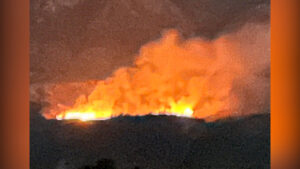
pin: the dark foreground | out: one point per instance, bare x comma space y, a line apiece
152, 142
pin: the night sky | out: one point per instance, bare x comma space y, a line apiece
74, 40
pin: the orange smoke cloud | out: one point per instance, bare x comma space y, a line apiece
191, 78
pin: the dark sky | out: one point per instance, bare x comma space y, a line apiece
76, 40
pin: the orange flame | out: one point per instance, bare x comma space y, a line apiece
191, 78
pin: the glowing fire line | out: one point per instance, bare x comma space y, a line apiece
88, 116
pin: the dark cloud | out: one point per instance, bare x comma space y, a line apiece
63, 33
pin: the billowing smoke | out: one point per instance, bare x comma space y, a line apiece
227, 76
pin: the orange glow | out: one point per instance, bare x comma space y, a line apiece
191, 78
176, 110
83, 116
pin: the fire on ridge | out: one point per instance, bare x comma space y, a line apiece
191, 78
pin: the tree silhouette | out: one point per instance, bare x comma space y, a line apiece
102, 164
105, 164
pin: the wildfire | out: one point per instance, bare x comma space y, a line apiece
83, 116
191, 78
86, 116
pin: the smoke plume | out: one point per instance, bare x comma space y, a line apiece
196, 78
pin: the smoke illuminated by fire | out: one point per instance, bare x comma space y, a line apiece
172, 76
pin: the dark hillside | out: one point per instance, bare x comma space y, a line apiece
152, 142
